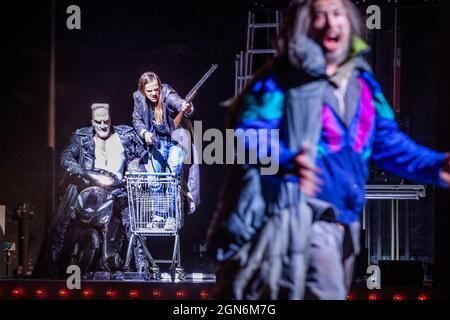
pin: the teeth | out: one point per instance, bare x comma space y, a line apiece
333, 35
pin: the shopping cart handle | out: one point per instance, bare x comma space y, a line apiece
170, 174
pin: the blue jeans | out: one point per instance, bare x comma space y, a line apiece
168, 157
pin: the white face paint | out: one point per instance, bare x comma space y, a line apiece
101, 122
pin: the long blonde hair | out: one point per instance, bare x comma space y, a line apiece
149, 77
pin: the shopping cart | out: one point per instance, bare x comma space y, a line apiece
155, 210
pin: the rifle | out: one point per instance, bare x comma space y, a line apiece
190, 96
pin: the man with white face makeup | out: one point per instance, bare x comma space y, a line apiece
100, 146
333, 120
109, 151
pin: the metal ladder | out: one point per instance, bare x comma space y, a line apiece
244, 63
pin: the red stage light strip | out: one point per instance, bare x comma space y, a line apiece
180, 294
133, 293
88, 293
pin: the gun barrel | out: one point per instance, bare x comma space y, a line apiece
202, 80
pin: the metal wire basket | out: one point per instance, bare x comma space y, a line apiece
155, 203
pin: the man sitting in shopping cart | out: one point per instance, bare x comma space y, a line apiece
99, 148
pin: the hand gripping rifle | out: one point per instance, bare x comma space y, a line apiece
190, 96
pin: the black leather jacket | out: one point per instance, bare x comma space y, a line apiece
171, 103
79, 153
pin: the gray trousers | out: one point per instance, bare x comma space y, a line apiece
273, 265
332, 253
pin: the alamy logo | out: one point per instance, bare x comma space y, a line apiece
373, 17
373, 21
74, 20
241, 146
374, 280
74, 279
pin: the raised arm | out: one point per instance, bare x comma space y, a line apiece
395, 151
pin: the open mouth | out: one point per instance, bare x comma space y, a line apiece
331, 41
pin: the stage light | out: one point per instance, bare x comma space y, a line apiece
88, 293
63, 293
197, 276
110, 293
17, 292
133, 293
398, 297
40, 293
349, 296
372, 297
166, 276
179, 294
422, 297
204, 294
156, 293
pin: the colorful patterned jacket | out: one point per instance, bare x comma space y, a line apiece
364, 130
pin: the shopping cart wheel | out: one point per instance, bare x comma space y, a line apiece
155, 273
177, 272
180, 273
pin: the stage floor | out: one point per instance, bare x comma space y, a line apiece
165, 289
192, 288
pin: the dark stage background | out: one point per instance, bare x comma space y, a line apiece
179, 40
